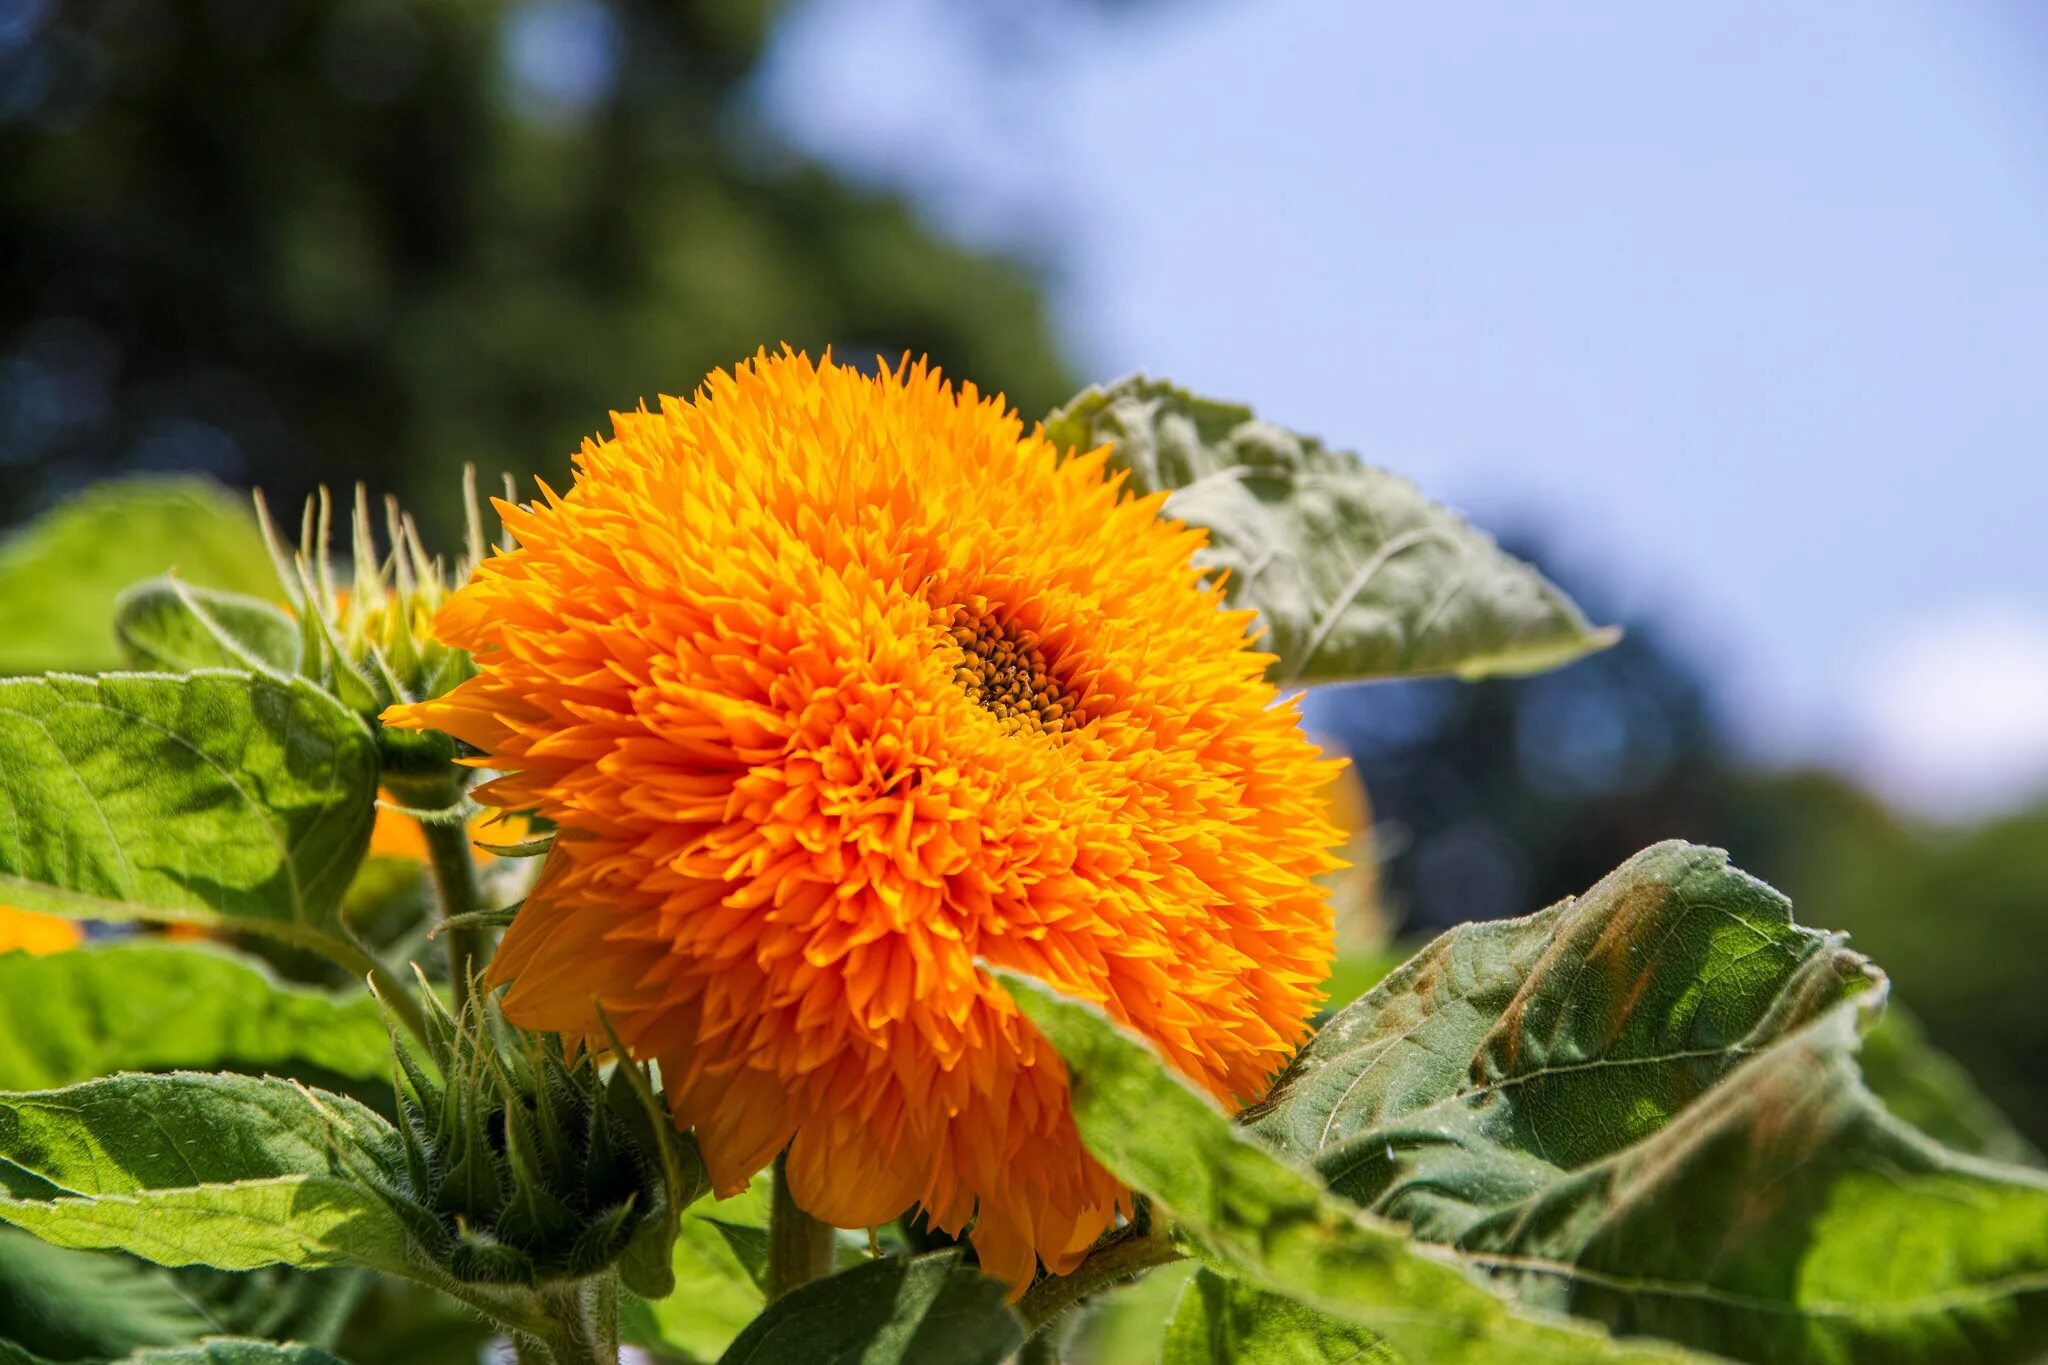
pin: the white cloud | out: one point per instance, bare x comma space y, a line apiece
1949, 714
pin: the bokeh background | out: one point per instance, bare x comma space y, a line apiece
1733, 316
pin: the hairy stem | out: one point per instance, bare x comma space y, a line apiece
460, 892
1041, 1349
1116, 1262
799, 1246
584, 1326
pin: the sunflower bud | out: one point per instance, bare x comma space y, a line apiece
523, 1165
367, 629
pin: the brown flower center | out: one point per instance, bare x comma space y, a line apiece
1003, 669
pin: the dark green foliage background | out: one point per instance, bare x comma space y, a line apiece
288, 244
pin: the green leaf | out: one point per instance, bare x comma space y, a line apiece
1352, 974
69, 1305
169, 624
402, 1321
227, 1171
1557, 1039
1927, 1088
150, 1005
210, 797
900, 1310
1251, 1213
224, 1352
1126, 1322
1355, 573
1222, 1321
60, 575
1643, 1106
717, 1284
278, 1303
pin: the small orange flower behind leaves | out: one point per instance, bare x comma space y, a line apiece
835, 684
398, 835
37, 934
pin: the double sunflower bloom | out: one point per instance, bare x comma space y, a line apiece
836, 687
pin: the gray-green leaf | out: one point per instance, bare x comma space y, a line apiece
923, 1310
169, 624
1643, 1106
60, 575
228, 1171
212, 797
1355, 573
1274, 1226
151, 1005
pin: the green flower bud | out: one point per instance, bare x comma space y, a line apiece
521, 1163
367, 632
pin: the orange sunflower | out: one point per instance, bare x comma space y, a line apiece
835, 685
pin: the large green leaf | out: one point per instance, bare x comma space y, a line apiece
213, 797
169, 624
150, 1005
1355, 573
923, 1310
1643, 1106
1222, 1321
72, 1305
228, 1171
60, 575
1271, 1224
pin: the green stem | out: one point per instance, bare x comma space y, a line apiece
461, 893
1041, 1349
585, 1325
799, 1246
1109, 1265
345, 952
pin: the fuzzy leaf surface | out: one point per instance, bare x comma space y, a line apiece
1261, 1219
1643, 1106
900, 1310
60, 574
225, 1352
228, 1171
211, 797
1355, 573
1221, 1321
175, 626
219, 1351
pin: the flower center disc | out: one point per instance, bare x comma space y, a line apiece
1003, 669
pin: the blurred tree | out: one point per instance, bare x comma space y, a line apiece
372, 239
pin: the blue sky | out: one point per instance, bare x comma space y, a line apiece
1744, 304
